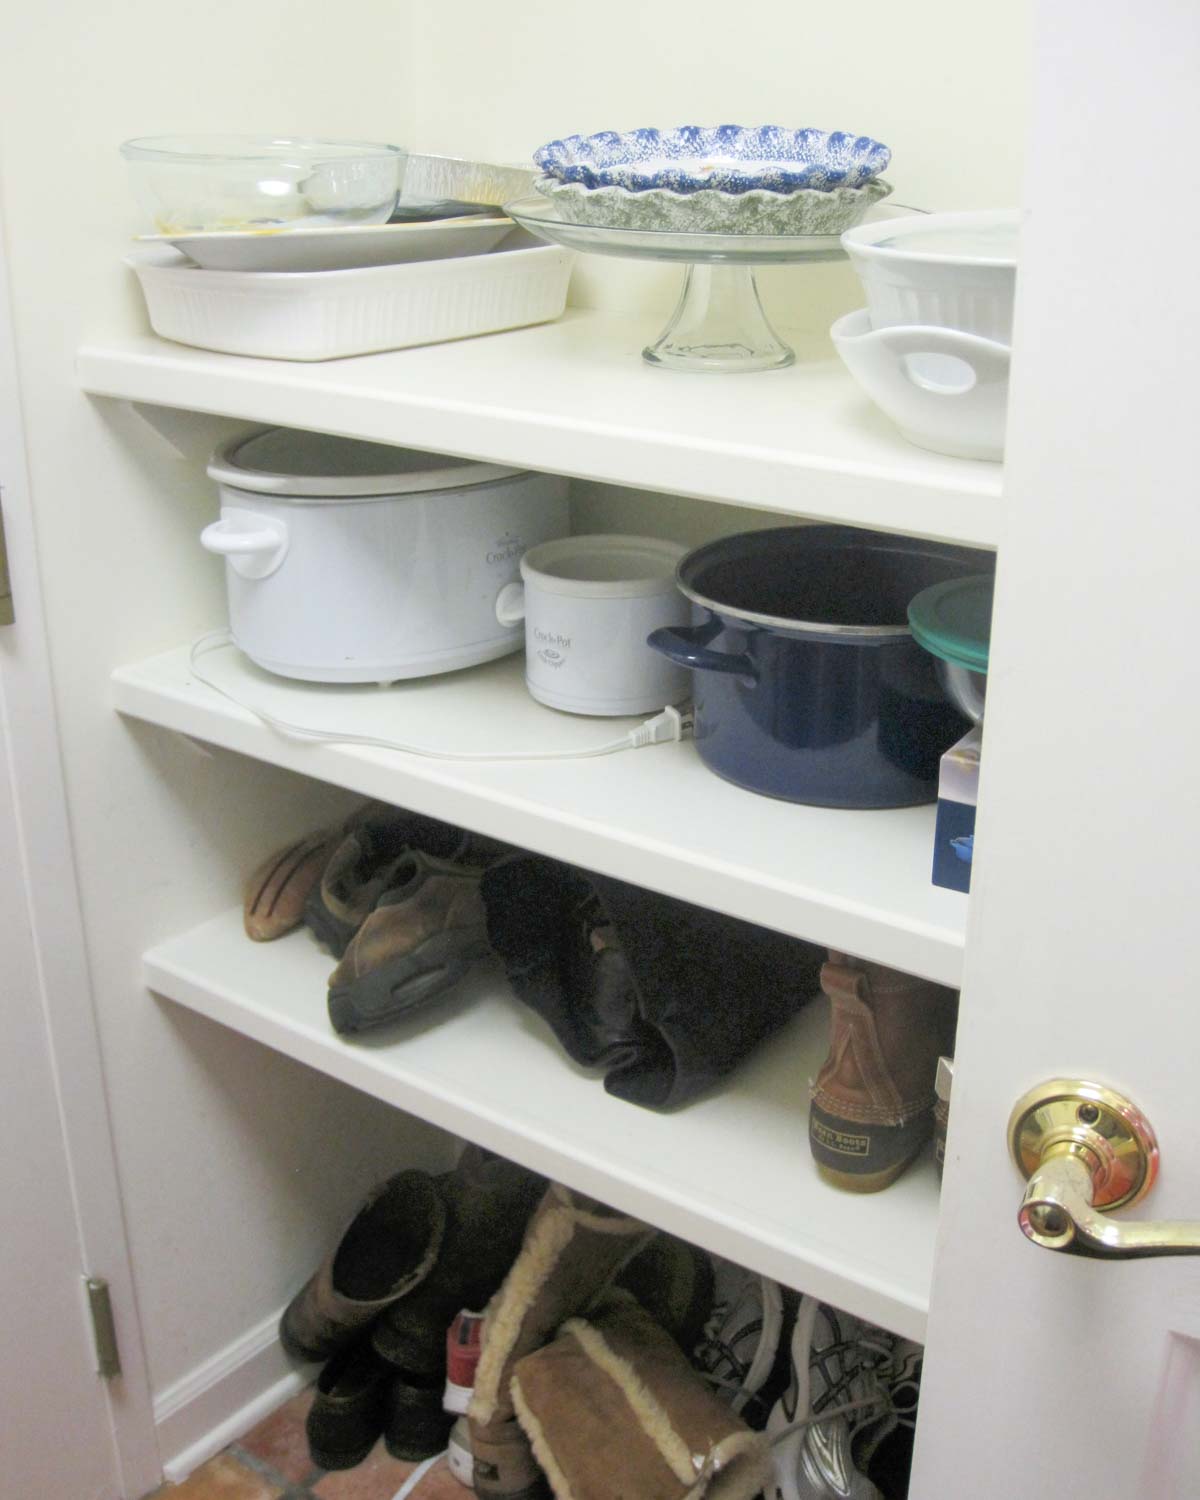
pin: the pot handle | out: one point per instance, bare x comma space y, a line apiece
510, 604
685, 646
254, 545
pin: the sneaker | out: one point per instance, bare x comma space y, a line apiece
458, 1454
740, 1351
362, 867
425, 932
836, 1361
464, 1342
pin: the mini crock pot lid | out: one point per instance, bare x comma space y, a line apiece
825, 628
865, 239
667, 556
298, 464
953, 620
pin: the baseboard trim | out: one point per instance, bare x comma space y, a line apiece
222, 1398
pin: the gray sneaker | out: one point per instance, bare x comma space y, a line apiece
837, 1361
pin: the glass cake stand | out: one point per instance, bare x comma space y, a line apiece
718, 324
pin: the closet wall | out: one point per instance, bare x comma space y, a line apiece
236, 1164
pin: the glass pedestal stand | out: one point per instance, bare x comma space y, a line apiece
719, 325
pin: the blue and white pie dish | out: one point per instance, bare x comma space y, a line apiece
728, 158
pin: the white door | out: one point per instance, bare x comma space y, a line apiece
65, 1434
57, 1440
1048, 1374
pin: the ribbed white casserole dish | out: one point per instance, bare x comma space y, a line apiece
312, 315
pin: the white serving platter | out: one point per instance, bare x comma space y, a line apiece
337, 247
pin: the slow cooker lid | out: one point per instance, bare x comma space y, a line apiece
283, 461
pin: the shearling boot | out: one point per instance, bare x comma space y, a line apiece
872, 1103
572, 1249
612, 1407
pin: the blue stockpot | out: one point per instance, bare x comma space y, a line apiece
808, 684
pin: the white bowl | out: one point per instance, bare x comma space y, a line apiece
945, 390
955, 270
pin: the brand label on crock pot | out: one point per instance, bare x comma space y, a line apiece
553, 646
505, 549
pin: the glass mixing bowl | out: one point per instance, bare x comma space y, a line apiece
189, 183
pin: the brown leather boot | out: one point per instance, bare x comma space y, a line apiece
872, 1103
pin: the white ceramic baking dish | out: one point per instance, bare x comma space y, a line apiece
311, 315
954, 270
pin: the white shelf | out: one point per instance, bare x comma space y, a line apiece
574, 397
857, 881
731, 1173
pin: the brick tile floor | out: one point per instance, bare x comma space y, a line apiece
271, 1462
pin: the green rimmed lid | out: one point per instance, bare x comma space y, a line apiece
953, 620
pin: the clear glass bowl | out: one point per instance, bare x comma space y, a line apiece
187, 183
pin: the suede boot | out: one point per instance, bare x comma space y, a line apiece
388, 1249
572, 1249
612, 1407
872, 1103
488, 1203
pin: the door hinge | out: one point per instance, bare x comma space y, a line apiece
104, 1330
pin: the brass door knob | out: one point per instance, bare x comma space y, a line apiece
1085, 1148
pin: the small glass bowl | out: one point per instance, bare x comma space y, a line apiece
188, 183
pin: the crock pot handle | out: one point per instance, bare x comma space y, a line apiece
682, 644
510, 604
254, 545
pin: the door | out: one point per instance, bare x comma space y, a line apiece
65, 1434
1049, 1374
57, 1439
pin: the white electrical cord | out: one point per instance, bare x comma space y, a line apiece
416, 1476
672, 724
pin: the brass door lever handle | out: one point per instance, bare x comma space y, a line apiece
1085, 1148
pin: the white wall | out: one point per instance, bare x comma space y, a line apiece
942, 82
235, 1163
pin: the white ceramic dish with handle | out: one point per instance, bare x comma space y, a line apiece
945, 389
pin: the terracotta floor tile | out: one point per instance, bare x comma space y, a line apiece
378, 1477
440, 1484
279, 1440
222, 1478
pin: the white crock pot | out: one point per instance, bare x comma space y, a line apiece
360, 562
954, 270
588, 603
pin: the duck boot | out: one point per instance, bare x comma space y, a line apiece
388, 1249
363, 865
572, 1250
425, 932
872, 1102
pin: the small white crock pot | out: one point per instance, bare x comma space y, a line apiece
588, 603
360, 562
